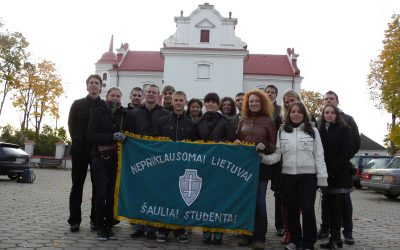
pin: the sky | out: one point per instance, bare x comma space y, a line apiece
336, 41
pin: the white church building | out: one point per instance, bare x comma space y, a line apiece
204, 55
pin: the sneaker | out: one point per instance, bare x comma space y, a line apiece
115, 222
111, 235
217, 239
206, 238
332, 245
280, 232
258, 245
349, 240
74, 228
102, 235
244, 241
160, 237
137, 233
150, 235
322, 234
291, 246
182, 238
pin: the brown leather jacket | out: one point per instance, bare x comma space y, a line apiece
257, 129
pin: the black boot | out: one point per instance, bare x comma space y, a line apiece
332, 244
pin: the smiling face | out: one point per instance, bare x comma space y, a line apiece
194, 109
239, 101
226, 107
330, 99
329, 114
151, 94
289, 100
167, 98
296, 116
211, 106
254, 103
178, 102
136, 97
114, 96
93, 87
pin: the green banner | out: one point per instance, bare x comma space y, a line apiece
185, 184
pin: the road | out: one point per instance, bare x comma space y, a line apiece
34, 216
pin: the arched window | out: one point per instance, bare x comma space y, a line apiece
104, 76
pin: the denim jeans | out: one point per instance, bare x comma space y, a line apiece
261, 221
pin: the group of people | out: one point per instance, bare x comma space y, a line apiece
297, 155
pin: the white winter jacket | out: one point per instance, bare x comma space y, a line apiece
301, 154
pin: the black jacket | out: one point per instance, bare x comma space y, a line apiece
78, 121
143, 120
103, 125
338, 150
176, 127
277, 116
354, 131
215, 127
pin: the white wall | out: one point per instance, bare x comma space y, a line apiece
226, 78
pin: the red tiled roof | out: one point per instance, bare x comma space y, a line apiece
142, 61
256, 64
262, 64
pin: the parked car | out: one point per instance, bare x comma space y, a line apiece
359, 162
386, 180
13, 160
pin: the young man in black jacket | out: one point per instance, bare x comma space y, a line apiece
143, 120
177, 127
331, 98
78, 120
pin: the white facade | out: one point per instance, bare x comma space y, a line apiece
204, 55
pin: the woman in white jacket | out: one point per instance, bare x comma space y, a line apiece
303, 170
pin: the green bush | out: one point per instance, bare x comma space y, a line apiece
44, 142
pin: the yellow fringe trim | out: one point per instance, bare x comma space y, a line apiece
118, 181
171, 226
162, 138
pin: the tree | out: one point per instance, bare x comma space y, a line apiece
38, 93
24, 97
12, 56
313, 100
49, 89
384, 80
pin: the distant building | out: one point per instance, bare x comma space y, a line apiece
370, 147
203, 55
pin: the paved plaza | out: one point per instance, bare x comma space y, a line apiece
34, 216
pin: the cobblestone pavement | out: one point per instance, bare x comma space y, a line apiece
34, 216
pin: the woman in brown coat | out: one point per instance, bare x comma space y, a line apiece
258, 126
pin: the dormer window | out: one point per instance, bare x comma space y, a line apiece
204, 36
